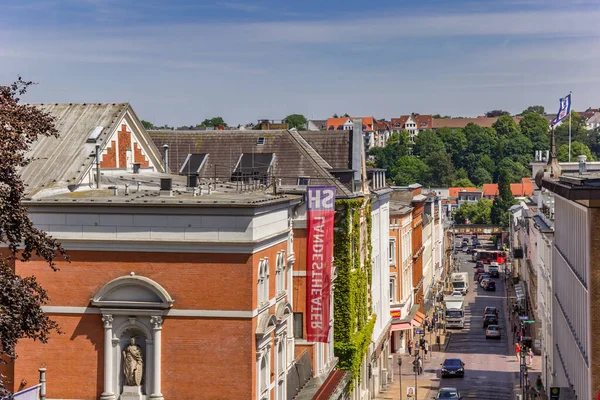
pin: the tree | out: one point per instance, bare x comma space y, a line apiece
213, 122
480, 141
147, 125
297, 121
475, 213
577, 149
441, 170
396, 147
409, 170
496, 113
487, 163
535, 127
426, 143
21, 299
506, 126
505, 200
455, 143
579, 131
514, 171
482, 176
535, 110
462, 182
515, 146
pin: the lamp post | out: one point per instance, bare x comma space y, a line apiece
525, 386
400, 374
416, 372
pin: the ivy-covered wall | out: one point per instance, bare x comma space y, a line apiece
353, 322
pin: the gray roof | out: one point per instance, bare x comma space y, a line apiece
333, 146
293, 156
64, 161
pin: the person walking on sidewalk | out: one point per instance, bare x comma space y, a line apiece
530, 356
538, 384
517, 351
426, 349
420, 365
410, 347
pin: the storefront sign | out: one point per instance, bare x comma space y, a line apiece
396, 314
320, 207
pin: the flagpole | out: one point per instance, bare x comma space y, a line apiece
570, 107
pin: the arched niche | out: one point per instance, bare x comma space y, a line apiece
132, 306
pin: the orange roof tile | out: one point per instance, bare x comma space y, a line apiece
423, 121
399, 122
490, 189
335, 122
453, 191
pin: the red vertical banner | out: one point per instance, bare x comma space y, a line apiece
320, 208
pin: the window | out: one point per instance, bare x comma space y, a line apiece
280, 273
263, 282
260, 141
392, 252
392, 289
264, 376
298, 325
303, 181
281, 355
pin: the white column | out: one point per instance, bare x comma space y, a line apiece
108, 359
156, 322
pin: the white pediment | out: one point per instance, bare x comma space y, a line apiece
132, 292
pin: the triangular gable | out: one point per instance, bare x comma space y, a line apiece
129, 144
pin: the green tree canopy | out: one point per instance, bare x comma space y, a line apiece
475, 213
387, 157
487, 163
455, 143
441, 170
213, 122
496, 113
297, 121
499, 214
577, 149
535, 127
506, 126
579, 131
515, 146
480, 141
409, 170
534, 109
462, 182
147, 125
426, 143
514, 171
481, 176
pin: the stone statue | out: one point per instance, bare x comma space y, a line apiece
133, 364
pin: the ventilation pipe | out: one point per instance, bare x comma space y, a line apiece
97, 166
582, 165
126, 189
166, 158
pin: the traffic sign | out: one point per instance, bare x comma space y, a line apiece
529, 321
524, 318
420, 331
554, 393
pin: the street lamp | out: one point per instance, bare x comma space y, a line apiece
400, 374
416, 373
525, 386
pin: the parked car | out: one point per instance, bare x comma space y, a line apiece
491, 310
449, 393
490, 286
490, 319
483, 276
492, 331
453, 367
479, 264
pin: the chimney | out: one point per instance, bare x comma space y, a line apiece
166, 158
357, 148
97, 166
136, 167
166, 187
582, 166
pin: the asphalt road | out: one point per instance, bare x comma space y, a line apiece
489, 370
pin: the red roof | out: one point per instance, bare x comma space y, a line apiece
453, 191
525, 188
337, 122
399, 122
423, 121
382, 125
490, 189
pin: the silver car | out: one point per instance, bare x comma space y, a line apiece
492, 331
448, 393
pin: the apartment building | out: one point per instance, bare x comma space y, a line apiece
576, 282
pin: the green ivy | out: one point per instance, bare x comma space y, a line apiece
353, 321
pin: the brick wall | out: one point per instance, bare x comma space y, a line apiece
124, 144
109, 160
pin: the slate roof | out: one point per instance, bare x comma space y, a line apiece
293, 156
333, 146
65, 161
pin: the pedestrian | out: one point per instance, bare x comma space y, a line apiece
538, 383
420, 366
517, 350
515, 329
530, 354
410, 347
426, 349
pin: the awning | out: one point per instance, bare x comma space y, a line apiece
401, 326
420, 317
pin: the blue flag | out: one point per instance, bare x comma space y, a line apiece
564, 110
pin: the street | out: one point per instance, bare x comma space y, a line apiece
489, 370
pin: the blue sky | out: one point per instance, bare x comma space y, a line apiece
179, 62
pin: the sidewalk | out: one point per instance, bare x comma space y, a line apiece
426, 382
533, 370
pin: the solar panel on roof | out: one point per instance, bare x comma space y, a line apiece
193, 163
